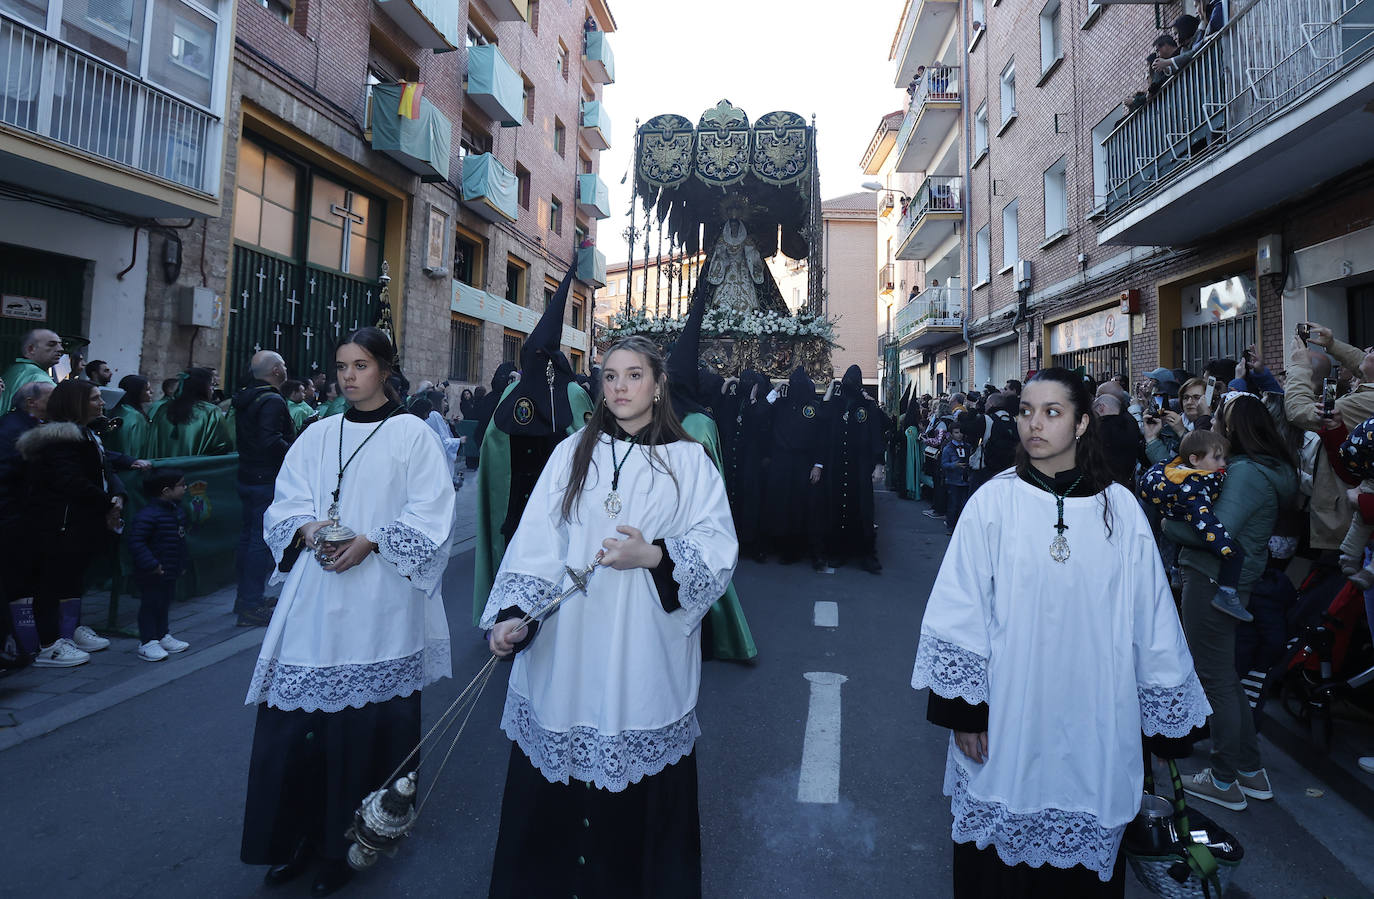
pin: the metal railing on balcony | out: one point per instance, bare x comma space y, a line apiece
938, 193
1268, 57
934, 307
939, 84
58, 92
885, 203
886, 275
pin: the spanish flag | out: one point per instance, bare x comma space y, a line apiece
410, 98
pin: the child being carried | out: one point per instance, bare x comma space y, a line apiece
1184, 490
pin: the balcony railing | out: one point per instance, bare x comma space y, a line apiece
885, 278
489, 188
493, 86
430, 23
60, 93
1268, 58
593, 198
886, 203
596, 125
420, 144
935, 307
598, 58
591, 266
925, 25
933, 112
939, 84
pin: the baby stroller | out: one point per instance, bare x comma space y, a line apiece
1330, 656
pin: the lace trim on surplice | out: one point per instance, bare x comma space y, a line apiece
334, 688
950, 670
529, 593
1173, 711
414, 555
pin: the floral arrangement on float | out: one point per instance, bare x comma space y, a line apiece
732, 341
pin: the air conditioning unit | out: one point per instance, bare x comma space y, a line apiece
200, 307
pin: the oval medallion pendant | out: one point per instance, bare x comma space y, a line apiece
1059, 549
612, 504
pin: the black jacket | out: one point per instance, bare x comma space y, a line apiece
264, 431
13, 425
157, 537
70, 484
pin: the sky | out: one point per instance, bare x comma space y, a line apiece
761, 55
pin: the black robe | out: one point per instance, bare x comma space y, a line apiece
856, 447
794, 508
744, 427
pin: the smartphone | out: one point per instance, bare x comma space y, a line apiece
1329, 396
1157, 403
1305, 331
1211, 390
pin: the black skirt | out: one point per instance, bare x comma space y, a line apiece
981, 874
576, 840
310, 771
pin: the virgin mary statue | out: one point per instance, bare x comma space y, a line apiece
736, 270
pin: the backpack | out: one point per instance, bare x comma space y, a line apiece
976, 461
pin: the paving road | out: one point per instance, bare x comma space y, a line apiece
145, 798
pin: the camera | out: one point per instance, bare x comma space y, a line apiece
1305, 330
1329, 396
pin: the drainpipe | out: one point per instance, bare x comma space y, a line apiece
969, 273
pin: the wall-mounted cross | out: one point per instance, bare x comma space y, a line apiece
276, 331
312, 285
337, 326
350, 218
281, 281
307, 334
261, 276
332, 309
294, 303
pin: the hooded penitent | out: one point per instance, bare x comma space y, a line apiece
684, 383
538, 405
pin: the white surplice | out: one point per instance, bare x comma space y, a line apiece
1074, 660
378, 630
607, 690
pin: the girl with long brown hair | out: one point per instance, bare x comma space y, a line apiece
601, 706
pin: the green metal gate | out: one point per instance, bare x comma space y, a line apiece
299, 310
39, 290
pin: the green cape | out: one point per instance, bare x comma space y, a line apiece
493, 496
17, 375
205, 434
132, 436
729, 631
335, 406
299, 413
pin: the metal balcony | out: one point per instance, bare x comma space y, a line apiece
932, 318
1271, 106
591, 266
59, 94
593, 198
924, 25
494, 87
935, 109
489, 188
420, 144
596, 125
597, 57
432, 24
886, 273
932, 217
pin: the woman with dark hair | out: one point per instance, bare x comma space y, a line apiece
190, 424
602, 705
1260, 480
131, 436
465, 404
74, 502
1050, 642
360, 627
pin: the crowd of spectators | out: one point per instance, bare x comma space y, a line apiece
1176, 47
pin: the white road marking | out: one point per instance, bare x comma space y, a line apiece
820, 766
827, 614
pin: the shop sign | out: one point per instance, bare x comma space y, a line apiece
29, 309
1098, 329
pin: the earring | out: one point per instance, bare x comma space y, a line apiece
655, 399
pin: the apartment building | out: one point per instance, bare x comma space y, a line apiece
1228, 207
352, 155
112, 138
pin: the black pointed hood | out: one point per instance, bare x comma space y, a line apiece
852, 386
501, 378
684, 383
538, 405
800, 388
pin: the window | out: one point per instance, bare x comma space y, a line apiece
560, 137
555, 222
549, 290
529, 99
563, 60
978, 16
469, 254
1009, 92
1009, 235
278, 9
1056, 198
463, 342
983, 252
586, 165
522, 184
980, 130
473, 139
266, 200
575, 312
1100, 134
515, 281
510, 346
345, 228
479, 33
575, 358
1051, 48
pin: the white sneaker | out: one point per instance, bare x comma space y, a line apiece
88, 640
172, 644
152, 651
61, 654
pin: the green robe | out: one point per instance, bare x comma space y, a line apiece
729, 631
337, 406
132, 436
17, 375
204, 434
493, 497
299, 413
915, 458
155, 405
